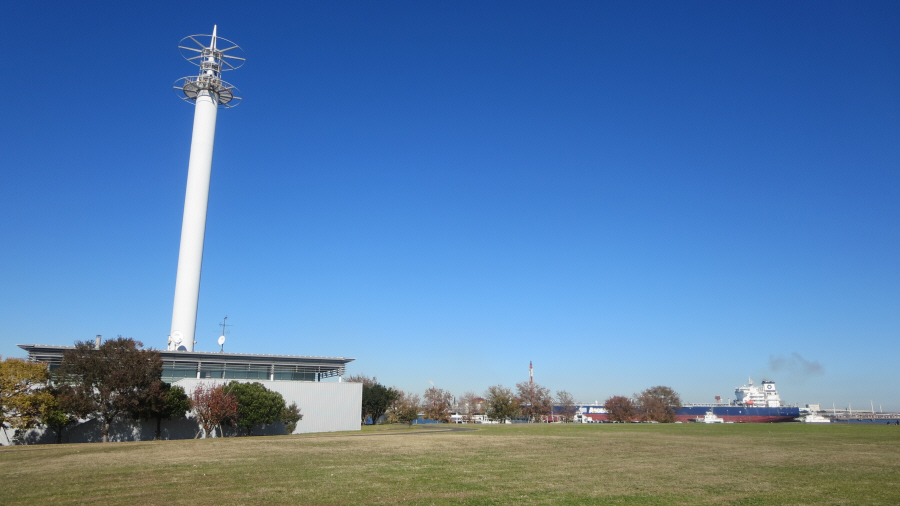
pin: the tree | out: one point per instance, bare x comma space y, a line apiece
110, 380
469, 404
535, 401
376, 399
290, 415
404, 409
162, 401
361, 378
20, 393
619, 409
658, 404
212, 407
257, 405
500, 403
566, 405
59, 409
436, 404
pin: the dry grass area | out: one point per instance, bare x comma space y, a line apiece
567, 464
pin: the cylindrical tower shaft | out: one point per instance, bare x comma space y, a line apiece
193, 227
207, 91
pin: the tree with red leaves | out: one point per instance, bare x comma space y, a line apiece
212, 407
620, 409
108, 381
658, 404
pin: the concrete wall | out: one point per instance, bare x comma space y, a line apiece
325, 406
125, 429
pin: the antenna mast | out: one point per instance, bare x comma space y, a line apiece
224, 324
207, 91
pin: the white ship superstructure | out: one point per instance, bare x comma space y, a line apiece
765, 395
710, 417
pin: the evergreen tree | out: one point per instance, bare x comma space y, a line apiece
162, 401
257, 405
376, 399
290, 415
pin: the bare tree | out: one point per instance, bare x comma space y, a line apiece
658, 404
619, 409
566, 405
500, 403
405, 408
469, 405
535, 401
361, 378
436, 404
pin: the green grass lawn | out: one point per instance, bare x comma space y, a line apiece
744, 464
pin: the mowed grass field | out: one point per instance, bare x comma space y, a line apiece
632, 464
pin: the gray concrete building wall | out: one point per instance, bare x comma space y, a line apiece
325, 406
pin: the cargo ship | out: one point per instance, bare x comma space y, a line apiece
752, 404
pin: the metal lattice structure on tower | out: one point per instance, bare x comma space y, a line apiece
208, 92
212, 60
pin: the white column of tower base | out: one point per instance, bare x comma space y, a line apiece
207, 91
193, 227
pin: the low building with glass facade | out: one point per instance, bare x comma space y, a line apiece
327, 406
239, 366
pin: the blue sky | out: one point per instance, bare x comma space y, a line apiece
625, 194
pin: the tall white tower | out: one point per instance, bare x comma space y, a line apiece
208, 92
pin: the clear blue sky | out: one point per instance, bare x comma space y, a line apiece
627, 194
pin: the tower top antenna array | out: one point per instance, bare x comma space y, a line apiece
208, 93
219, 56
